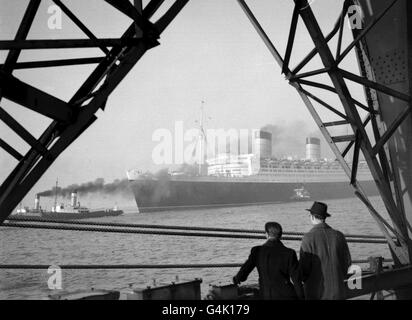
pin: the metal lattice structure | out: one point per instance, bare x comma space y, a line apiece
381, 160
386, 147
72, 118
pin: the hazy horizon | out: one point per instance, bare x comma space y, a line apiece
210, 52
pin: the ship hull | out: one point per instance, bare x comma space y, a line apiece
69, 215
75, 216
160, 195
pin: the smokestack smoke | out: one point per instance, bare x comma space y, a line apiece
97, 186
288, 139
117, 187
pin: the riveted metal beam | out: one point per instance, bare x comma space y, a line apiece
34, 99
399, 248
66, 128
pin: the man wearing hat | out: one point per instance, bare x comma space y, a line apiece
324, 258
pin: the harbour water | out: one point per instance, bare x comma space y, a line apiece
54, 247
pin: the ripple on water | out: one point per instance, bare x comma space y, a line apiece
31, 246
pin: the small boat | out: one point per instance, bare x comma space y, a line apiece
300, 194
78, 212
61, 212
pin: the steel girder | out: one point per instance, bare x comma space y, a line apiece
72, 118
379, 160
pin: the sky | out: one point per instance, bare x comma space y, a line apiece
209, 53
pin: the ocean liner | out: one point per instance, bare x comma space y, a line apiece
249, 179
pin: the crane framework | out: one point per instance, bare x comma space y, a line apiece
384, 135
72, 118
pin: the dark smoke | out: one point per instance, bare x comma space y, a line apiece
290, 139
117, 187
98, 186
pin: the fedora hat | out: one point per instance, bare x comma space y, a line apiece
319, 209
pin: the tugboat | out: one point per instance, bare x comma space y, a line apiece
300, 194
62, 212
76, 211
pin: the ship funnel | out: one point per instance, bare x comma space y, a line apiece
312, 149
37, 202
263, 144
74, 199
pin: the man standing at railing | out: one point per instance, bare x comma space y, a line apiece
276, 264
324, 258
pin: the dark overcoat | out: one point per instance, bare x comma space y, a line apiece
277, 265
324, 263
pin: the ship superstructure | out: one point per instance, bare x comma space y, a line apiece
252, 178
